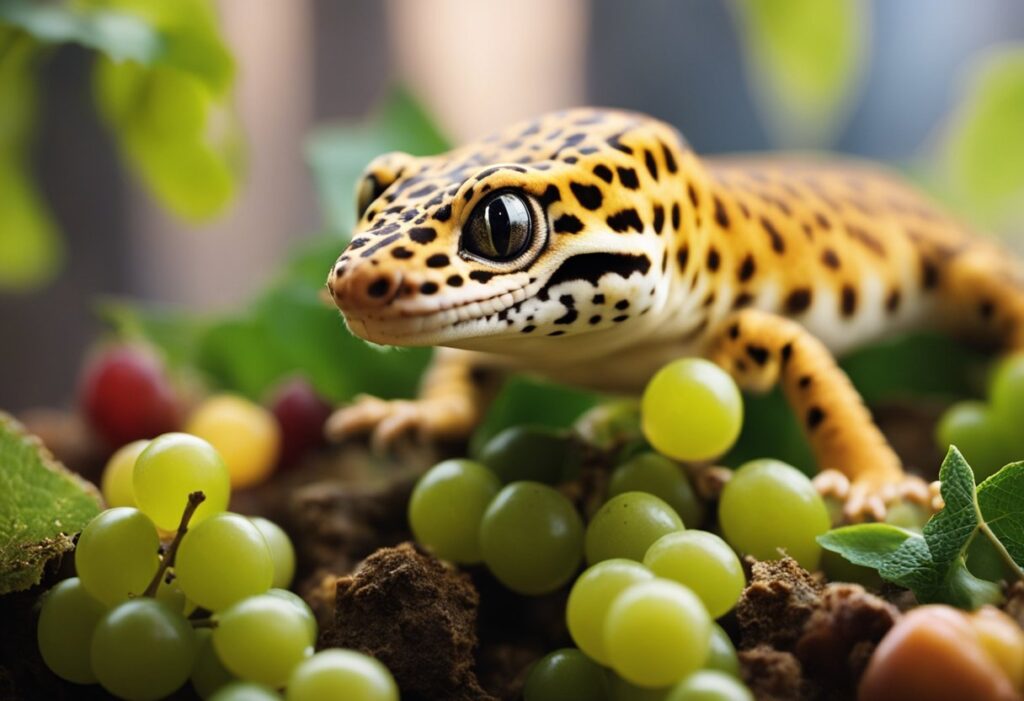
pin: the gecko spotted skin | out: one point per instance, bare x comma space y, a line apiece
594, 246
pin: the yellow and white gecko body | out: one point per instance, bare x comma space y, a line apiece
594, 246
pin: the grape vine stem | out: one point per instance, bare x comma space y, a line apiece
194, 500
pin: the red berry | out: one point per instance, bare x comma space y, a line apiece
301, 413
126, 395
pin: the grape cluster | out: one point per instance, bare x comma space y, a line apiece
642, 614
127, 396
211, 605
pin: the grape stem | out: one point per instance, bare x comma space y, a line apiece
208, 622
194, 500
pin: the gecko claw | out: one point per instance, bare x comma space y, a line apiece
389, 421
869, 500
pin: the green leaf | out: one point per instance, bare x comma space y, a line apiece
181, 137
983, 146
933, 565
30, 246
31, 250
805, 58
339, 153
43, 506
867, 544
119, 35
1001, 500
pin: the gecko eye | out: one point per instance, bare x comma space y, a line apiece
499, 228
370, 188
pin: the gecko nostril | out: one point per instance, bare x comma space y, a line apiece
379, 287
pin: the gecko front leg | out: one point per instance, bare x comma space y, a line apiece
454, 393
856, 461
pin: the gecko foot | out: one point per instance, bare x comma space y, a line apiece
871, 500
389, 420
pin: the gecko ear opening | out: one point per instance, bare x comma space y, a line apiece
378, 177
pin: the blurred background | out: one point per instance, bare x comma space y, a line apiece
180, 153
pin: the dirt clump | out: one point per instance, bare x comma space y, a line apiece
415, 614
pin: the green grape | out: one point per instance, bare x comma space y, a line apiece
710, 685
142, 650
531, 538
692, 410
566, 675
626, 525
591, 597
975, 429
117, 554
208, 673
610, 424
341, 674
656, 633
223, 560
116, 483
908, 515
722, 653
657, 475
262, 638
1006, 395
170, 468
770, 506
300, 604
703, 562
622, 690
67, 620
171, 594
282, 552
534, 454
446, 508
245, 691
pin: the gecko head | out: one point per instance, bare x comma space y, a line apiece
555, 227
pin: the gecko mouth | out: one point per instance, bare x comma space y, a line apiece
404, 326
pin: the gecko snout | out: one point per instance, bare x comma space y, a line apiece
363, 286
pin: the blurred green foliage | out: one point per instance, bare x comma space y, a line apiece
162, 80
805, 59
983, 148
338, 154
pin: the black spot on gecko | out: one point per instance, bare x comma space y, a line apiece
550, 195
604, 172
438, 260
721, 217
652, 165
848, 305
401, 252
443, 214
759, 354
568, 224
625, 220
670, 160
628, 178
428, 288
815, 416
778, 244
481, 276
659, 218
714, 259
591, 267
675, 215
798, 300
588, 195
422, 234
454, 281
747, 269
